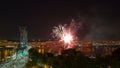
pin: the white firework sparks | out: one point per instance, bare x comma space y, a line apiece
58, 31
65, 34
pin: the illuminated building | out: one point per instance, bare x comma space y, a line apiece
6, 52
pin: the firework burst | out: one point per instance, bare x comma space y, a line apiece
66, 34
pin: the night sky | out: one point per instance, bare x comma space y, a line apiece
100, 20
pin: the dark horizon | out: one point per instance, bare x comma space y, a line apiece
100, 20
